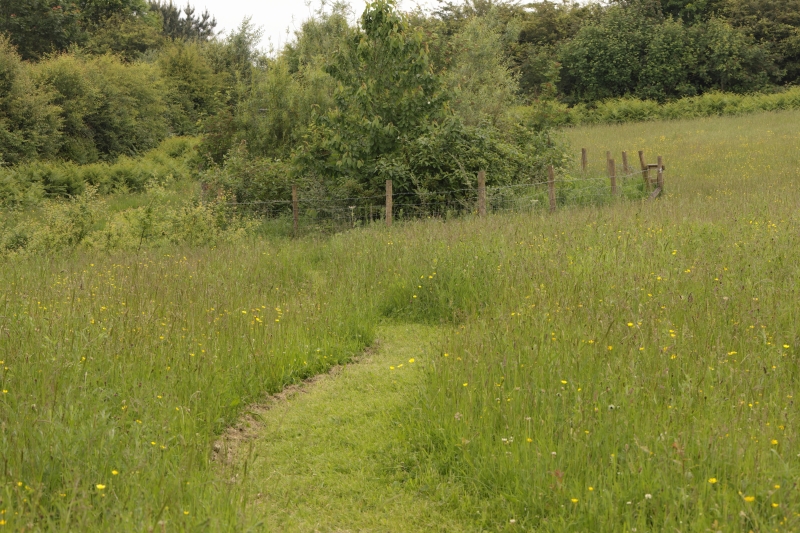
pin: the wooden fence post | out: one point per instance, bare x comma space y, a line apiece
584, 159
625, 168
660, 175
295, 209
389, 203
482, 193
645, 176
551, 186
612, 173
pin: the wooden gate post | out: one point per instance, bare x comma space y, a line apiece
612, 173
389, 203
645, 172
660, 175
551, 186
482, 193
295, 210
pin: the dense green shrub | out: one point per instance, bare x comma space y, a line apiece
392, 118
131, 115
707, 105
26, 184
628, 51
479, 76
29, 122
192, 88
87, 221
252, 180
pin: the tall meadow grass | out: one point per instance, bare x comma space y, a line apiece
624, 365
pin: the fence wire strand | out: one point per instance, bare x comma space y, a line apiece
339, 213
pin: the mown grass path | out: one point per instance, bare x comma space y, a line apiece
321, 458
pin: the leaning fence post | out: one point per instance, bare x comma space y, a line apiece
625, 168
482, 193
612, 173
660, 175
584, 159
645, 173
551, 186
295, 210
388, 202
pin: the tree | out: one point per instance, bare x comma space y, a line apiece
387, 94
730, 60
479, 75
193, 90
126, 36
182, 24
29, 121
38, 27
604, 58
775, 25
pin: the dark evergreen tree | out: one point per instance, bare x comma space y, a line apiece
182, 23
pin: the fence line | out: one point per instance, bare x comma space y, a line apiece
563, 190
422, 194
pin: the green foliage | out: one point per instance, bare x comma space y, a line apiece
387, 94
235, 57
350, 108
479, 75
74, 91
251, 180
37, 27
182, 24
27, 184
40, 27
131, 115
29, 122
604, 58
730, 60
193, 90
279, 105
711, 104
126, 36
87, 221
272, 102
98, 11
627, 52
219, 132
775, 24
79, 108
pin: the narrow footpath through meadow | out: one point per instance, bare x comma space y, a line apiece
325, 456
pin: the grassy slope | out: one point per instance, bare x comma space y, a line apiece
731, 203
680, 313
679, 377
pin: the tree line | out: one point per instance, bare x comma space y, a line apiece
423, 98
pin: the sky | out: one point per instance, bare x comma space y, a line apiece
274, 16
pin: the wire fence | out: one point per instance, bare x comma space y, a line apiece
307, 212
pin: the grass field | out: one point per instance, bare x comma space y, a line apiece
629, 366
